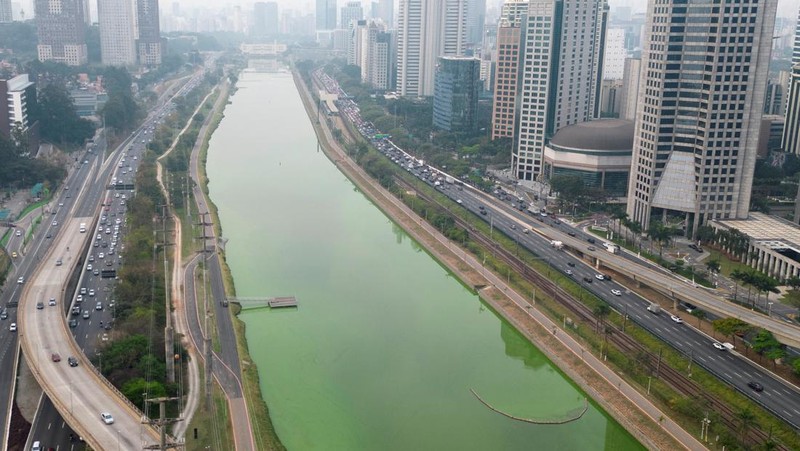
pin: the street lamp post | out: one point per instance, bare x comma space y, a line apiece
769, 308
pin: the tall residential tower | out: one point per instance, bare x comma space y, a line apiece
62, 31
562, 67
117, 20
426, 30
704, 74
148, 43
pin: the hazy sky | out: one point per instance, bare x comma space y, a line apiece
786, 8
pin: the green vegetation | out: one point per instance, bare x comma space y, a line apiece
59, 122
21, 39
120, 112
19, 171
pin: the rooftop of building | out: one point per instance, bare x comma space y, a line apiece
767, 231
601, 134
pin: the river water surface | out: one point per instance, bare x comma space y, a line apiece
386, 344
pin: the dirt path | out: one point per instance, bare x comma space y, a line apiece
640, 417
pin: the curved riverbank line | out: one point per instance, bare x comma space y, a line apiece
568, 418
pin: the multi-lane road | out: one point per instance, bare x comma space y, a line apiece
87, 184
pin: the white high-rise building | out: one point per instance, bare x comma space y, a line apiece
562, 68
426, 30
615, 54
704, 75
117, 20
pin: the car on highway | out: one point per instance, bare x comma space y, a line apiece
587, 280
107, 418
76, 310
101, 255
571, 264
719, 346
13, 254
91, 292
51, 302
55, 223
4, 314
89, 267
599, 277
570, 233
616, 292
21, 280
59, 262
13, 327
676, 319
73, 362
96, 272
591, 248
755, 386
86, 314
55, 357
39, 305
98, 306
18, 232
569, 272
73, 323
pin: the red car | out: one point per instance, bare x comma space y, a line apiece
55, 357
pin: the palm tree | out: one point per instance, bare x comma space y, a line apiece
746, 420
601, 311
636, 229
737, 276
619, 215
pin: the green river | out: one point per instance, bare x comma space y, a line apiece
386, 344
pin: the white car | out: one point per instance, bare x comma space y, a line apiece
719, 346
101, 255
91, 292
18, 233
676, 319
89, 267
616, 292
55, 223
21, 280
569, 272
599, 277
52, 302
13, 327
107, 418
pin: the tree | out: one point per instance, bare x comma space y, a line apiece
746, 420
700, 315
713, 265
730, 326
793, 282
58, 120
661, 234
601, 311
570, 188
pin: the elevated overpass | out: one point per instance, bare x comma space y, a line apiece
79, 393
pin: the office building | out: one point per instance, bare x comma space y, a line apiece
62, 31
383, 10
356, 46
117, 20
507, 61
610, 98
615, 54
149, 46
770, 134
6, 13
476, 18
775, 98
376, 64
265, 19
326, 14
629, 94
699, 110
796, 48
16, 93
455, 98
562, 67
351, 12
426, 30
599, 152
791, 129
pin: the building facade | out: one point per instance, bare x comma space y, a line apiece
455, 99
326, 14
796, 48
562, 67
629, 94
775, 98
6, 12
615, 54
507, 60
791, 130
149, 46
265, 19
699, 110
61, 29
117, 19
383, 10
426, 30
476, 19
351, 11
16, 93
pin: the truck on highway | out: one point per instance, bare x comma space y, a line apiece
83, 227
557, 244
611, 247
654, 309
449, 179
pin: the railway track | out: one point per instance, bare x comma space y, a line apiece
618, 338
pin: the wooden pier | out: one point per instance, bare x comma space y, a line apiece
282, 302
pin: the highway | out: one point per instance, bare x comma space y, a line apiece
536, 235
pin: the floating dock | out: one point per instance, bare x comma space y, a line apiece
282, 302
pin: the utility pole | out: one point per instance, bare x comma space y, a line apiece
207, 349
161, 423
169, 345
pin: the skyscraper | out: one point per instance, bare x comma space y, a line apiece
507, 61
791, 130
562, 67
117, 20
265, 19
350, 12
476, 19
148, 43
326, 14
62, 31
796, 49
384, 10
615, 54
630, 88
699, 110
455, 99
6, 14
426, 30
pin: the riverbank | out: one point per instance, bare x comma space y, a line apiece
647, 424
